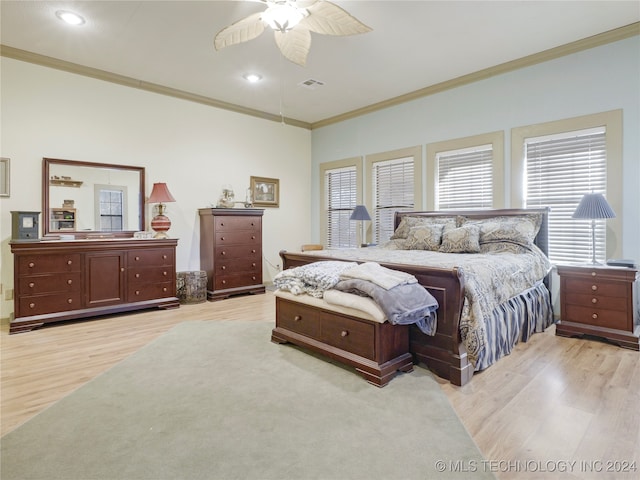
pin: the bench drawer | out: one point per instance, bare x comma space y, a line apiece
348, 334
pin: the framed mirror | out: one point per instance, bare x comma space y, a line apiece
87, 199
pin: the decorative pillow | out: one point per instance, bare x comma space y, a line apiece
503, 247
408, 222
521, 229
425, 237
395, 244
465, 239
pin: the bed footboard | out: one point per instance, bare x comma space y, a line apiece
442, 353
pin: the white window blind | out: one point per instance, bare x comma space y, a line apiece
340, 200
560, 169
465, 178
393, 187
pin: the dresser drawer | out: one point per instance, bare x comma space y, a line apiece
239, 251
348, 334
298, 318
586, 286
224, 223
223, 282
599, 317
597, 301
58, 282
33, 264
43, 304
152, 256
238, 237
238, 265
151, 291
137, 276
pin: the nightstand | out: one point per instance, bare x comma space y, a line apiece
601, 301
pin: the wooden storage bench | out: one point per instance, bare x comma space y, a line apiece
376, 350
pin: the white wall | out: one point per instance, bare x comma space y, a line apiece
194, 148
596, 80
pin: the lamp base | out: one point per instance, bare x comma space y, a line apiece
160, 224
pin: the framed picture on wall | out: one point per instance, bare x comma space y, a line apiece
4, 177
265, 191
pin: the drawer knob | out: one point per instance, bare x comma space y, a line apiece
224, 267
32, 305
252, 224
253, 237
137, 292
594, 300
594, 287
593, 274
253, 251
122, 269
253, 264
344, 333
164, 257
137, 275
222, 224
221, 238
164, 273
297, 318
253, 278
69, 282
137, 258
31, 284
224, 282
69, 300
594, 316
69, 262
164, 289
31, 264
223, 253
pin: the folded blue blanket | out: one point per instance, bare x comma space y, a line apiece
402, 305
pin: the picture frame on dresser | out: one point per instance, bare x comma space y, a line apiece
265, 191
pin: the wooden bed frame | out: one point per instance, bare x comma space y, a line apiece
443, 353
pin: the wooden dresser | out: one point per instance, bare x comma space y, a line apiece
600, 301
231, 251
65, 280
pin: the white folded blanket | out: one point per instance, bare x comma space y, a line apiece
364, 304
376, 273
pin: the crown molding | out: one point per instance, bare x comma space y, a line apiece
544, 56
51, 62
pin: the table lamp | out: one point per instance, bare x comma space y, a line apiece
160, 223
361, 214
593, 206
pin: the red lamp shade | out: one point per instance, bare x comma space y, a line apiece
160, 223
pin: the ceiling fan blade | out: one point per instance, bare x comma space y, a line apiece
242, 31
294, 44
330, 19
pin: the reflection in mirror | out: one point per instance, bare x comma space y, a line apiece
84, 198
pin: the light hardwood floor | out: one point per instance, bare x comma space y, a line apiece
552, 402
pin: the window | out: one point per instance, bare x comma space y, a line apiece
465, 179
110, 201
394, 179
560, 169
466, 173
341, 193
555, 164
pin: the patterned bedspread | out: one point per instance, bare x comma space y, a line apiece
490, 279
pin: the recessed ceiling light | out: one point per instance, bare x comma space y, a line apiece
252, 77
70, 17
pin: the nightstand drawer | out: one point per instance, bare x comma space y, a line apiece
609, 289
595, 316
597, 301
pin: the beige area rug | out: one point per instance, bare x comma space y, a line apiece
218, 400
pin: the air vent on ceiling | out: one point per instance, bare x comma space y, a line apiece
311, 84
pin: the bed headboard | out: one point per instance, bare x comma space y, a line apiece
541, 240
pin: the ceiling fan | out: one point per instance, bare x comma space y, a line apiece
292, 22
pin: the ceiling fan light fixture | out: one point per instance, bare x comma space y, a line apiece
283, 16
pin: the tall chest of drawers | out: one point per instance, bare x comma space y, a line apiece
231, 251
600, 301
66, 280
